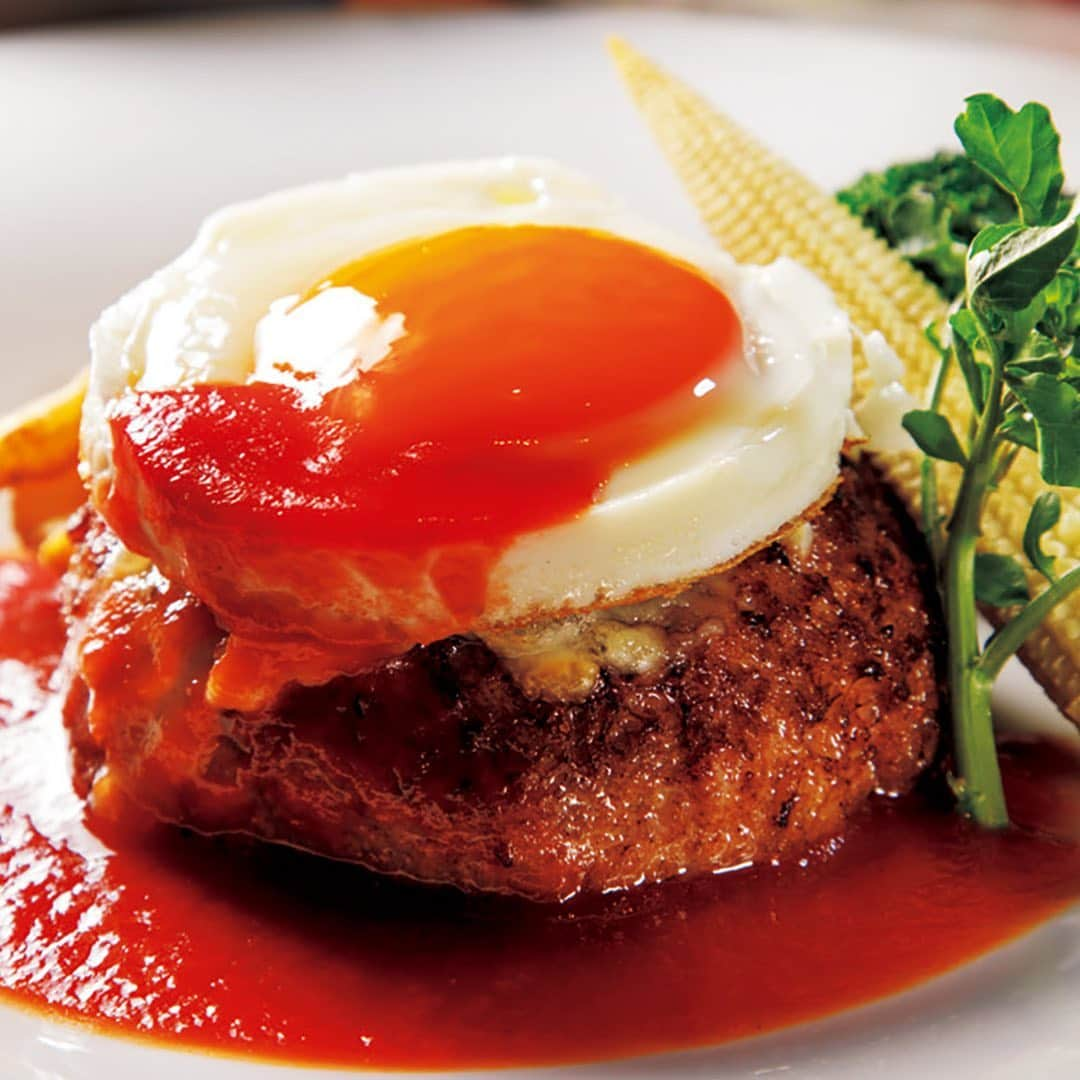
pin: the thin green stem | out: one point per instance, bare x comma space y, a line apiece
931, 511
980, 790
1004, 456
1006, 641
931, 508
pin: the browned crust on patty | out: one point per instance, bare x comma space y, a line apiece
778, 715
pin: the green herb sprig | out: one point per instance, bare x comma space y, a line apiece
929, 211
1013, 335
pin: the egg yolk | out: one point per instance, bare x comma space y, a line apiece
535, 362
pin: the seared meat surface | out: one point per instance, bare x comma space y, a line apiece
806, 683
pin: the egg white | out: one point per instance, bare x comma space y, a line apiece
771, 451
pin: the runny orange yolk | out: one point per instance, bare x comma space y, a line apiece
535, 362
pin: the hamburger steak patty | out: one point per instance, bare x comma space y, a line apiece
803, 684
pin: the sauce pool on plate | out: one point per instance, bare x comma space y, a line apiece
271, 953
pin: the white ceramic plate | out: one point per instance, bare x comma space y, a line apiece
117, 140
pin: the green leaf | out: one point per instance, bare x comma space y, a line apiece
915, 218
1037, 353
991, 235
934, 435
1062, 317
1070, 370
1055, 407
1045, 514
965, 326
932, 333
1019, 325
999, 580
966, 338
1020, 150
1010, 272
1019, 428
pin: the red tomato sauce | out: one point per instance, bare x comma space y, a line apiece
278, 955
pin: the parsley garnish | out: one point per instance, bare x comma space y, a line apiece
1013, 334
929, 211
992, 229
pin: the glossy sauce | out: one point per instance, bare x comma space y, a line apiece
535, 362
278, 955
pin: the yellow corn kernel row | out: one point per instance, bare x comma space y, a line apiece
758, 208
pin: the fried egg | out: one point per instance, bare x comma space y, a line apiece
317, 300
